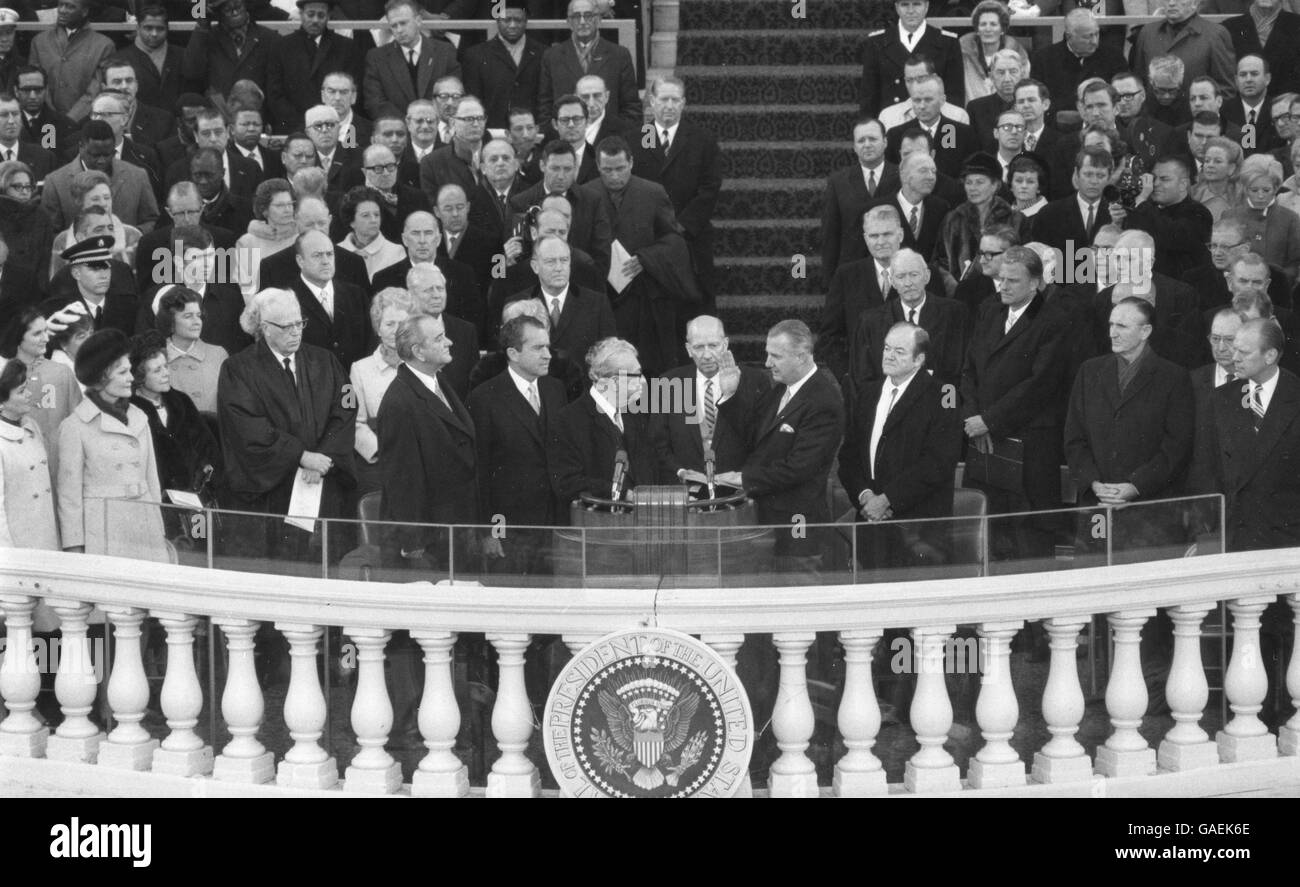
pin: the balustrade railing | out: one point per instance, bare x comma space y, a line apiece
296, 667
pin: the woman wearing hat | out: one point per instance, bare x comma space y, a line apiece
106, 454
55, 392
959, 237
10, 58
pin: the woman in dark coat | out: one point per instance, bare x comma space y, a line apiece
26, 228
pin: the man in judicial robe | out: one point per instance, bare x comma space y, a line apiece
285, 419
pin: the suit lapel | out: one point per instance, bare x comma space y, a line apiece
522, 410
1139, 381
914, 391
1282, 411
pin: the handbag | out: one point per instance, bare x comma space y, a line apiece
1002, 468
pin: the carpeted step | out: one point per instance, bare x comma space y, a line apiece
747, 318
776, 276
801, 122
773, 238
793, 160
770, 14
770, 199
801, 46
772, 85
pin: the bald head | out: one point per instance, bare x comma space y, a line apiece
706, 343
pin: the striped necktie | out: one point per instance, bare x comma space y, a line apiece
710, 410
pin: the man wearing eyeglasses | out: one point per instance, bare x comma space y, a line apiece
304, 60
1166, 103
184, 208
1147, 138
69, 54
333, 157
133, 198
586, 52
42, 125
111, 107
458, 162
380, 168
238, 49
570, 125
506, 72
406, 69
1227, 243
12, 148
285, 416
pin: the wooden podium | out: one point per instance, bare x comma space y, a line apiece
662, 532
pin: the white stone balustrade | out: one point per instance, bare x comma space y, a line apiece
1187, 746
997, 764
373, 769
793, 774
75, 686
1245, 738
727, 646
183, 752
1126, 753
244, 759
129, 744
931, 769
306, 765
21, 733
440, 773
513, 775
859, 773
1288, 740
1063, 758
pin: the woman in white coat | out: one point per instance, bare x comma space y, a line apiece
106, 454
26, 495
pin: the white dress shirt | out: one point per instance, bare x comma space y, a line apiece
890, 395
607, 408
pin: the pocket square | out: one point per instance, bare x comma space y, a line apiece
786, 429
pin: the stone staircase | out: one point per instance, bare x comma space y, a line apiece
780, 94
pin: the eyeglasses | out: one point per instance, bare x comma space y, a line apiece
422, 121
15, 186
329, 90
479, 118
1223, 247
1126, 96
1220, 340
985, 254
296, 326
449, 96
100, 115
584, 16
1284, 117
382, 168
1012, 127
324, 126
570, 121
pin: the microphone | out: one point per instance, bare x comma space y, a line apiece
620, 471
709, 458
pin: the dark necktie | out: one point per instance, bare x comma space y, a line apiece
1092, 218
11, 154
1257, 403
288, 368
1250, 118
413, 68
99, 316
871, 183
237, 38
911, 316
915, 221
555, 314
504, 207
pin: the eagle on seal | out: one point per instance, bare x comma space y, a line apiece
649, 729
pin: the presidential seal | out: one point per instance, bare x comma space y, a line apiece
648, 713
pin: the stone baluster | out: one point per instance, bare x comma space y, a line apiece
440, 773
859, 774
1245, 738
129, 745
1288, 740
244, 759
1063, 758
75, 685
373, 769
513, 775
1187, 746
793, 774
1126, 753
997, 764
727, 646
577, 642
183, 752
931, 769
306, 765
22, 735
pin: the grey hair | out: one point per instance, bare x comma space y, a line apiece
797, 332
600, 358
251, 320
390, 297
410, 335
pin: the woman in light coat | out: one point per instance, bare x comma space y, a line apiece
55, 392
105, 455
991, 20
26, 494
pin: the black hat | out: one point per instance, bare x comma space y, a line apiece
1035, 158
98, 353
92, 249
984, 164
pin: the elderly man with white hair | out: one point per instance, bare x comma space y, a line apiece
428, 288
339, 161
1178, 328
287, 420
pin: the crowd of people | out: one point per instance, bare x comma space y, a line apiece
263, 268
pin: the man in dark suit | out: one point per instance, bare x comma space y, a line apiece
237, 49
1178, 328
1004, 73
11, 145
145, 124
900, 453
42, 125
685, 160
513, 415
944, 321
888, 49
589, 433
1012, 388
458, 162
1251, 109
1227, 244
222, 207
422, 237
591, 90
465, 244
211, 131
1034, 102
428, 440
1221, 370
336, 312
1179, 225
505, 72
651, 307
89, 279
858, 287
850, 190
569, 125
246, 128
281, 269
920, 209
285, 418
1278, 49
400, 72
952, 142
1146, 137
563, 65
380, 169
489, 202
1248, 444
157, 61
682, 436
337, 160
188, 258
297, 70
796, 430
1069, 223
579, 318
111, 106
1078, 57
590, 229
1129, 428
428, 287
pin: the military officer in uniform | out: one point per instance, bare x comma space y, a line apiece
888, 49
